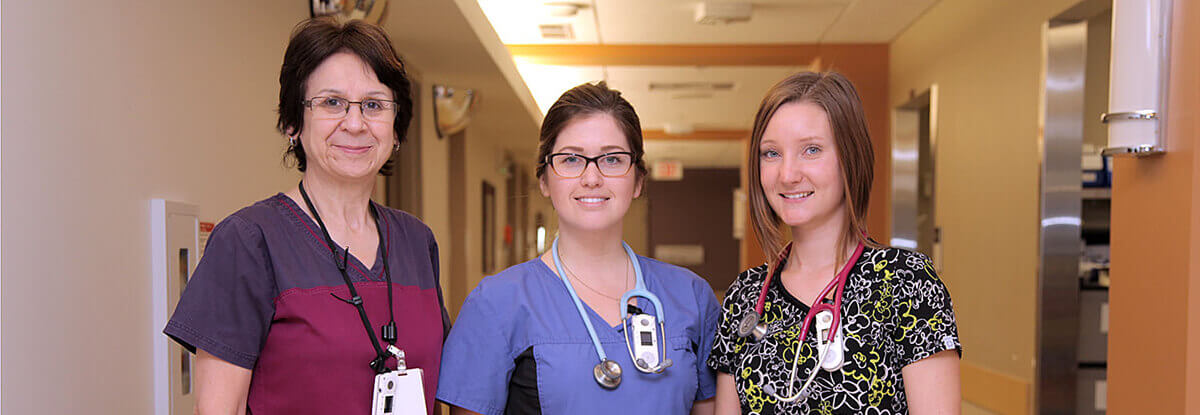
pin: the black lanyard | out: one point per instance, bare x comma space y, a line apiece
388, 331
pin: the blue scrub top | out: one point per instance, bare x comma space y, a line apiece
527, 308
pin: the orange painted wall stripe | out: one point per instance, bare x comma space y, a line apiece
697, 135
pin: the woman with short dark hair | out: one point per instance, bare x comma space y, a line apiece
303, 299
589, 327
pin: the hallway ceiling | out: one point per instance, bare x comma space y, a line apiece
441, 41
718, 91
673, 21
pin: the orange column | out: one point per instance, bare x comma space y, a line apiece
1154, 330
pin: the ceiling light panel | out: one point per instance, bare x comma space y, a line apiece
708, 98
673, 21
548, 82
526, 21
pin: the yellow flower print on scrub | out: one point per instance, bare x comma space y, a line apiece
893, 313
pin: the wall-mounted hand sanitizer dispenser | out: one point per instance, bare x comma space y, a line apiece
174, 253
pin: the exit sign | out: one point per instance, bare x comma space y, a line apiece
667, 170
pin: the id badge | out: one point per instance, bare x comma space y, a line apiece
399, 392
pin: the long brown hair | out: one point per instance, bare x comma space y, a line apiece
837, 97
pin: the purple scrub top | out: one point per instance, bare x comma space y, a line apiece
261, 299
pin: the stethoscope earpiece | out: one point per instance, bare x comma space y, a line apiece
607, 373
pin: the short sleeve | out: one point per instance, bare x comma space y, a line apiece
710, 314
925, 315
726, 342
228, 303
477, 360
437, 279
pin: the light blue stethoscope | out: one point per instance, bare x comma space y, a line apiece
608, 372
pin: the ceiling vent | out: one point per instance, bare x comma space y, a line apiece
691, 87
711, 13
560, 31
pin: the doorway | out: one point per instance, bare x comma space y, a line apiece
1072, 300
914, 175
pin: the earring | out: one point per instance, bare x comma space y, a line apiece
291, 142
396, 147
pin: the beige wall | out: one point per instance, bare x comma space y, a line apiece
106, 106
484, 161
435, 179
1095, 84
986, 59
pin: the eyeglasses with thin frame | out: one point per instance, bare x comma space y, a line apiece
334, 108
571, 165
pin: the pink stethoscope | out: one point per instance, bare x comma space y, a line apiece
827, 322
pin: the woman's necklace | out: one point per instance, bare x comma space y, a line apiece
585, 284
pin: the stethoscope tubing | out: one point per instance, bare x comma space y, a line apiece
639, 290
837, 286
587, 322
818, 304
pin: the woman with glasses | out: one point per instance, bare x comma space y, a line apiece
295, 303
589, 327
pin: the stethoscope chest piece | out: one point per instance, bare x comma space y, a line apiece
751, 325
746, 326
607, 373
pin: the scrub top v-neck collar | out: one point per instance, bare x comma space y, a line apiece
318, 244
777, 282
595, 316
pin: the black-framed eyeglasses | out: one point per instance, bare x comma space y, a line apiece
571, 165
333, 108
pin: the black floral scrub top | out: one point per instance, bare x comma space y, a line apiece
895, 311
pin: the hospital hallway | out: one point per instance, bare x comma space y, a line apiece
1044, 155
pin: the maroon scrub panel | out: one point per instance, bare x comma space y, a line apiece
320, 363
261, 299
